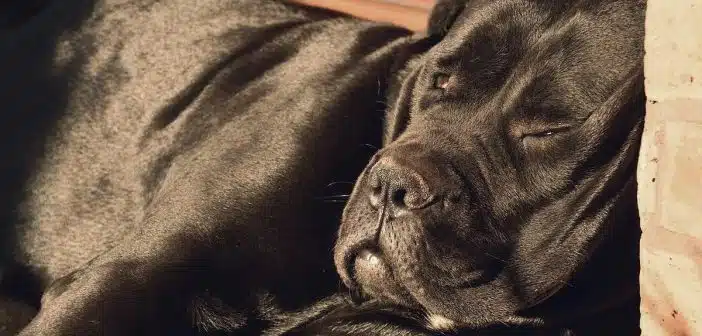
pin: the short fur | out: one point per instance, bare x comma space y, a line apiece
174, 169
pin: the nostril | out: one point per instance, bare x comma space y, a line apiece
398, 197
376, 189
401, 185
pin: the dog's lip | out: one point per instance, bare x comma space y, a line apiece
369, 256
366, 254
348, 263
376, 279
474, 274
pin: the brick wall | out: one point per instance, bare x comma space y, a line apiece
670, 171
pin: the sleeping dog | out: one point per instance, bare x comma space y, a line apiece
180, 166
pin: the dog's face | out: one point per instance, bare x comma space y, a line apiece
507, 154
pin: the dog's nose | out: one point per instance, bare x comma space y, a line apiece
399, 184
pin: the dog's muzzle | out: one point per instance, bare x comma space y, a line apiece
397, 225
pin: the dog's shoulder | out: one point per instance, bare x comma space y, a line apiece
125, 89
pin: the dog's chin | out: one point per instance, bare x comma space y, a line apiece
425, 261
375, 279
373, 274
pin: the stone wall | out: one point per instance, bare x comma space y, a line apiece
670, 171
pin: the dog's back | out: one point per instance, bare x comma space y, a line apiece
115, 111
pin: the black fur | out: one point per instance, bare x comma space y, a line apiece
443, 16
172, 169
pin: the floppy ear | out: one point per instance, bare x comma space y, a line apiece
444, 13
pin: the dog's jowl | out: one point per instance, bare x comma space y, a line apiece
182, 165
514, 172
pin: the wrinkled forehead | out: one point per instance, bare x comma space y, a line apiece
580, 51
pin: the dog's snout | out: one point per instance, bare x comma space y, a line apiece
400, 185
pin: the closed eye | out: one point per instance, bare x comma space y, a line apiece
542, 134
546, 133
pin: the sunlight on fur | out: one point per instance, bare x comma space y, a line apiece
440, 323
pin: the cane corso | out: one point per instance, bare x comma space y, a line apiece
182, 168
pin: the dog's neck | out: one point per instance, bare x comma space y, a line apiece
603, 296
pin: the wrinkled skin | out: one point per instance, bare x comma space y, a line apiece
173, 178
514, 166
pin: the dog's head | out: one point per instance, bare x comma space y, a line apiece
509, 152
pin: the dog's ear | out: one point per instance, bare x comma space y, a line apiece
444, 13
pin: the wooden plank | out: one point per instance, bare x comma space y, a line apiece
412, 18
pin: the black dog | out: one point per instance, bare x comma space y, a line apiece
510, 176
177, 162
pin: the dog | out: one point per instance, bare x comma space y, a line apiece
509, 185
180, 169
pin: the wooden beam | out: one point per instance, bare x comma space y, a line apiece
409, 17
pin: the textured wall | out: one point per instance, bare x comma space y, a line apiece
670, 171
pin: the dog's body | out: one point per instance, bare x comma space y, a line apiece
177, 163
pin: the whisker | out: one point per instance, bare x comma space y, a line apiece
370, 146
496, 258
334, 196
567, 283
337, 182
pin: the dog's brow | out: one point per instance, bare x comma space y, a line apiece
541, 66
473, 25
